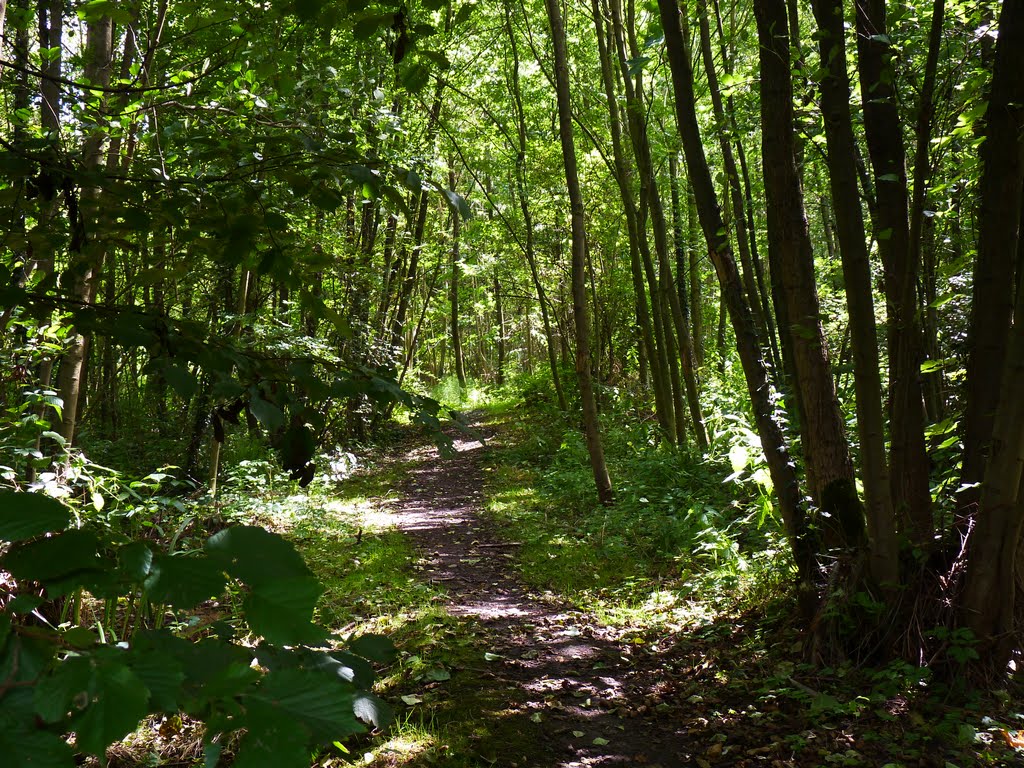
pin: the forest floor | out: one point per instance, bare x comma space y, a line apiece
498, 674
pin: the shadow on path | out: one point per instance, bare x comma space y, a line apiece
565, 682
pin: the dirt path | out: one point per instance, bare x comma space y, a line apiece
573, 692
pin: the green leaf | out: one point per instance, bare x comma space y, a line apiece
266, 413
57, 437
255, 555
372, 710
349, 667
280, 611
323, 705
184, 581
80, 637
25, 515
438, 59
458, 203
415, 77
374, 647
162, 674
272, 741
54, 557
275, 220
21, 746
181, 380
135, 560
465, 11
367, 26
97, 9
56, 695
118, 701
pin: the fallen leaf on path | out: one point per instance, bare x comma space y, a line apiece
411, 699
601, 742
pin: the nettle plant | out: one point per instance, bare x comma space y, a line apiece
261, 667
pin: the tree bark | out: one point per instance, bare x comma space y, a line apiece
826, 450
524, 205
780, 465
851, 237
988, 603
908, 458
87, 245
663, 283
579, 254
453, 291
999, 230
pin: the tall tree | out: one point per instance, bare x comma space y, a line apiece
851, 236
581, 314
88, 245
990, 606
911, 491
773, 443
826, 450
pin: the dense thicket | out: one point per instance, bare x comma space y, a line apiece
228, 225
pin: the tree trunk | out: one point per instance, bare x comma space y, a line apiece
999, 223
826, 450
453, 291
780, 465
652, 336
677, 332
731, 171
87, 244
988, 605
579, 254
851, 236
524, 205
908, 458
499, 311
696, 247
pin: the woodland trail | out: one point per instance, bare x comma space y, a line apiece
548, 686
563, 691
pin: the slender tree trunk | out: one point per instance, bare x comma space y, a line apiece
499, 311
918, 240
835, 87
690, 359
579, 253
731, 171
999, 231
87, 244
908, 458
677, 332
652, 335
453, 291
988, 604
826, 450
755, 257
524, 205
696, 247
780, 465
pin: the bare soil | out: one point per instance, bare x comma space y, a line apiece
565, 690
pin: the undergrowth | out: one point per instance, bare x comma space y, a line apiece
686, 532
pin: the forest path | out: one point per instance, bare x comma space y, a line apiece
563, 691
